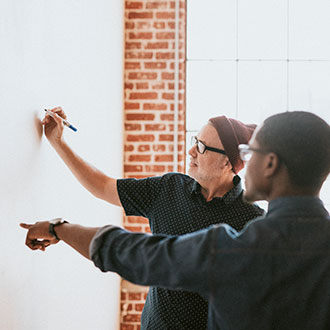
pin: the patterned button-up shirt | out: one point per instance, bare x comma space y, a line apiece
174, 205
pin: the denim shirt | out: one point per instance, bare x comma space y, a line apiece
274, 274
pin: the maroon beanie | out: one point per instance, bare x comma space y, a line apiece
232, 133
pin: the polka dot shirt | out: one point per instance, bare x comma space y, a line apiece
174, 205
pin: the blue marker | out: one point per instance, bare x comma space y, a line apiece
65, 122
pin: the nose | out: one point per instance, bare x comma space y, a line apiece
193, 151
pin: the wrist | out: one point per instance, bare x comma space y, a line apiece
53, 224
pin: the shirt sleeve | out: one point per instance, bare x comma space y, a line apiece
172, 262
138, 195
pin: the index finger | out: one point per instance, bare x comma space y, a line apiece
25, 225
59, 111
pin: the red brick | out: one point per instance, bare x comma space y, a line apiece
143, 96
157, 5
155, 65
140, 35
159, 147
166, 137
142, 85
147, 230
165, 35
140, 138
134, 5
139, 158
138, 15
139, 307
138, 55
133, 45
134, 229
129, 25
128, 147
155, 127
123, 296
168, 96
133, 127
154, 168
165, 15
154, 106
131, 106
128, 85
144, 147
168, 117
133, 168
126, 307
144, 25
142, 75
164, 158
158, 85
156, 45
140, 220
132, 318
167, 75
134, 296
159, 25
132, 65
165, 55
140, 116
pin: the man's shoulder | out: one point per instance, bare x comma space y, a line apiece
257, 210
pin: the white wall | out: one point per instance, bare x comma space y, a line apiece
66, 53
251, 59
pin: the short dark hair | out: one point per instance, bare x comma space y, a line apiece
302, 141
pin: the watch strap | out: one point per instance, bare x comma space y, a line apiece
53, 224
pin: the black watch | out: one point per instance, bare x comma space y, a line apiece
53, 224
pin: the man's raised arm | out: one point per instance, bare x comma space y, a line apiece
95, 181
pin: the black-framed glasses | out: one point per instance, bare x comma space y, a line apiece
245, 152
201, 147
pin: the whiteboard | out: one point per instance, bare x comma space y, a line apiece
69, 54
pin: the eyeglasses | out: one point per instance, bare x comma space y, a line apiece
201, 147
245, 152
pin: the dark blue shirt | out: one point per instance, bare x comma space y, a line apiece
174, 205
274, 274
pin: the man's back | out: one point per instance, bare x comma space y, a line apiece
277, 273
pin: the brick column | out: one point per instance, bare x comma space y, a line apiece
149, 110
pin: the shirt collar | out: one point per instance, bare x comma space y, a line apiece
297, 205
229, 197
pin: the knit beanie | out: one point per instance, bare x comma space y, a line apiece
232, 132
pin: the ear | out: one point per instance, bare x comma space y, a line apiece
228, 165
271, 164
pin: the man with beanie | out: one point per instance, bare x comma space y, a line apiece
274, 274
175, 204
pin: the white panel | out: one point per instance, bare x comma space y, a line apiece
261, 90
309, 29
211, 91
211, 29
325, 194
57, 53
309, 87
262, 29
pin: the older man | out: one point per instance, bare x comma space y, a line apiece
175, 204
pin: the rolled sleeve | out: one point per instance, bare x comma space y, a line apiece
173, 262
95, 247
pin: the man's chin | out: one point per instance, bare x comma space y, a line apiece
247, 197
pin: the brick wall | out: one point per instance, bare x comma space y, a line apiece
149, 82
